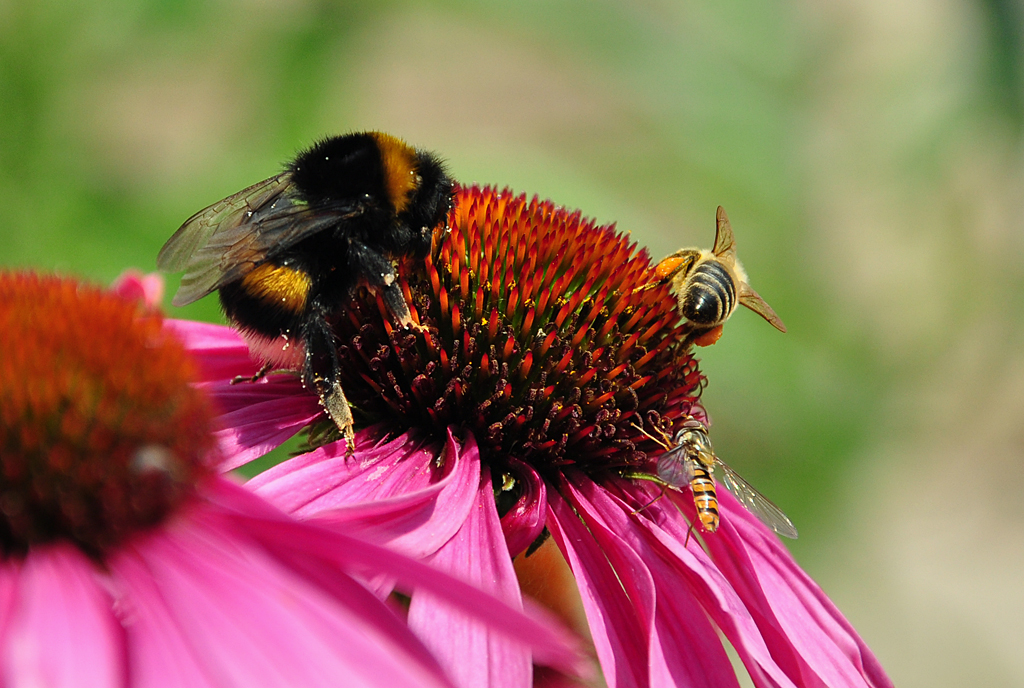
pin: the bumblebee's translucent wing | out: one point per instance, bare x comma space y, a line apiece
196, 231
675, 468
223, 242
755, 502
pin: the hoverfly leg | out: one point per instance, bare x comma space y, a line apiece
664, 440
689, 531
648, 504
262, 373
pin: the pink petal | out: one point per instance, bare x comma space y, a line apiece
201, 336
620, 630
327, 478
662, 528
789, 606
470, 651
685, 648
275, 387
241, 618
307, 545
10, 570
259, 416
161, 653
61, 631
135, 286
219, 350
525, 521
392, 493
686, 651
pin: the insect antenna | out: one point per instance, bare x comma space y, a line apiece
664, 440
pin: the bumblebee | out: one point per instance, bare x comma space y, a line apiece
286, 253
709, 284
690, 461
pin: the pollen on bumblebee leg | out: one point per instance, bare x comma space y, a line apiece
544, 340
99, 440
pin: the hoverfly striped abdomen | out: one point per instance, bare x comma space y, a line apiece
704, 497
690, 461
710, 296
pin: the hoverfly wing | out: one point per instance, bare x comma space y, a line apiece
755, 502
675, 468
226, 240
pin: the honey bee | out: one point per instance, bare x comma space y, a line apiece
286, 253
691, 461
709, 284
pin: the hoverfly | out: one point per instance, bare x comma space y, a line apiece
690, 461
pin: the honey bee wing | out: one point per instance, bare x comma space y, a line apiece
755, 502
752, 300
675, 468
725, 241
226, 240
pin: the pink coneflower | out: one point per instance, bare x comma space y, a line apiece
125, 560
518, 415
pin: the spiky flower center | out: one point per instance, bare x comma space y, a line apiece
100, 432
544, 337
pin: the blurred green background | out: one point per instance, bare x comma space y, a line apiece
868, 153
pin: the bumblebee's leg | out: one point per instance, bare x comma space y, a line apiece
322, 369
334, 401
380, 275
262, 373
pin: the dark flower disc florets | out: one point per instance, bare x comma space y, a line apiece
101, 433
543, 336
